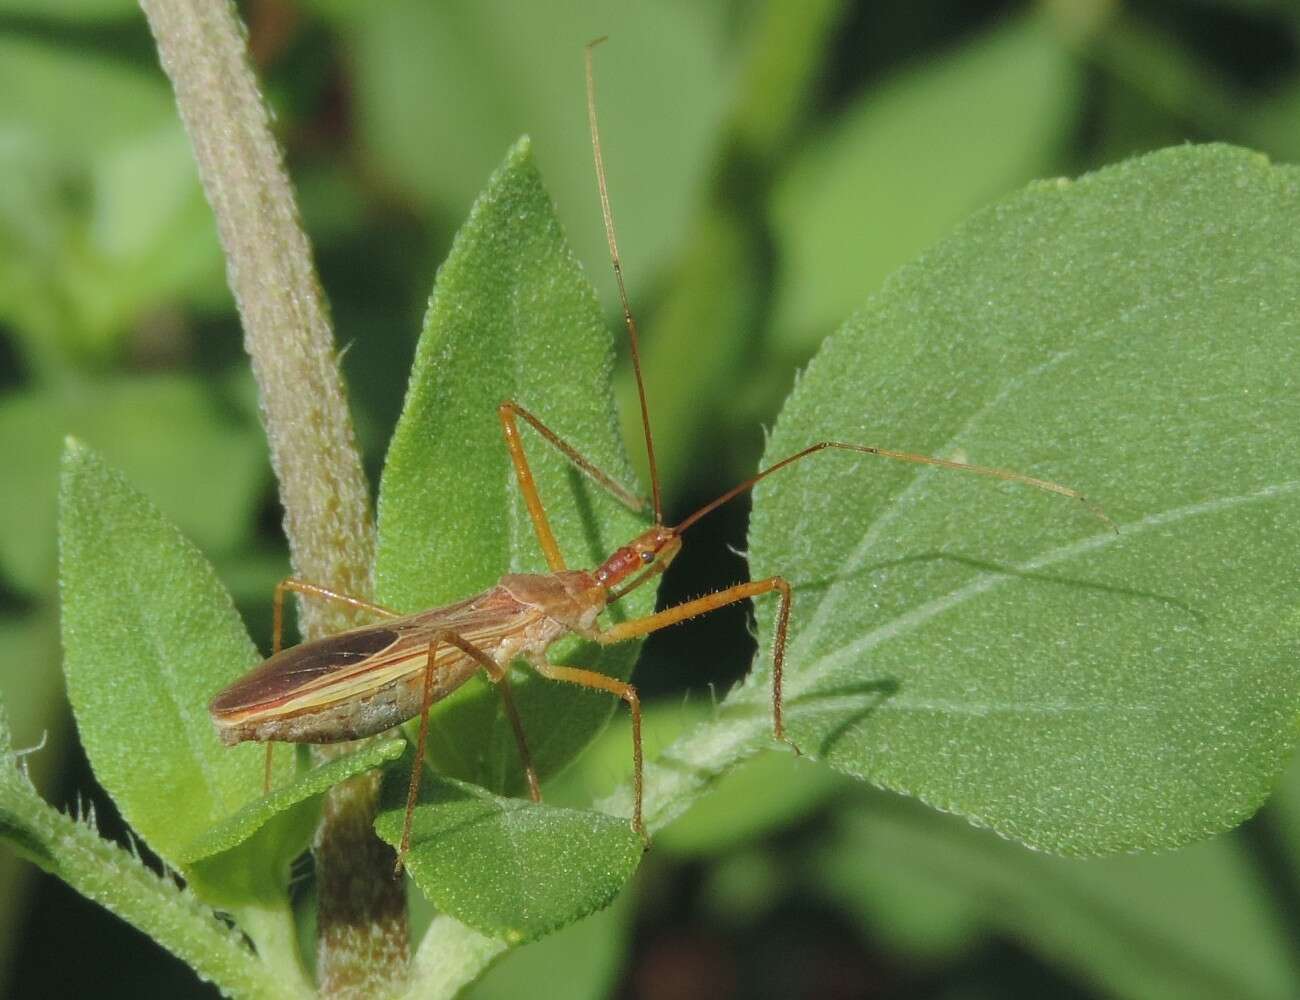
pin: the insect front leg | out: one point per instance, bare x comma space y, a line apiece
601, 682
703, 605
501, 678
507, 412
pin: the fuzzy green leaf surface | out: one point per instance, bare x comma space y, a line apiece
511, 317
149, 636
994, 650
507, 867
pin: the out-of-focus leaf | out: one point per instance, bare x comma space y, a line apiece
71, 10
507, 867
101, 215
759, 796
149, 637
1197, 923
511, 318
205, 467
1273, 124
31, 682
1284, 807
454, 84
580, 962
31, 691
909, 161
997, 652
688, 374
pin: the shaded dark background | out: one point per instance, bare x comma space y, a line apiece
769, 167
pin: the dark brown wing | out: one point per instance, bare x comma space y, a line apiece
292, 668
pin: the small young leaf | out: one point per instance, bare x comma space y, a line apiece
149, 637
998, 652
303, 789
511, 317
505, 866
243, 857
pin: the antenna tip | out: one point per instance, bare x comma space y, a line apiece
596, 41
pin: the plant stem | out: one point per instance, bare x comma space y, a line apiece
363, 940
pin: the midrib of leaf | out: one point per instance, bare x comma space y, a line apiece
803, 678
895, 505
511, 496
742, 726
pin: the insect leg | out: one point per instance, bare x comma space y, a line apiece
507, 412
277, 630
312, 590
711, 602
600, 682
501, 678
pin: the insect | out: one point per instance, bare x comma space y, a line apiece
366, 680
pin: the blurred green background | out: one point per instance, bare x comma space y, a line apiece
770, 164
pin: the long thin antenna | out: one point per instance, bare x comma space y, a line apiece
617, 261
902, 456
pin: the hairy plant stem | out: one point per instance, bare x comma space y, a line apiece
362, 929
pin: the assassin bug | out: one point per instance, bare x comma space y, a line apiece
366, 680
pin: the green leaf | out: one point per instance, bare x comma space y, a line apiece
993, 650
911, 160
511, 317
288, 814
32, 688
409, 55
507, 867
101, 215
581, 962
761, 795
714, 288
70, 10
119, 881
149, 636
171, 435
1197, 924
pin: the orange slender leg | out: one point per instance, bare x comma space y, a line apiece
312, 590
703, 605
600, 682
501, 679
507, 412
277, 630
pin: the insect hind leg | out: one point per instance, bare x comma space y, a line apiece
602, 682
501, 679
